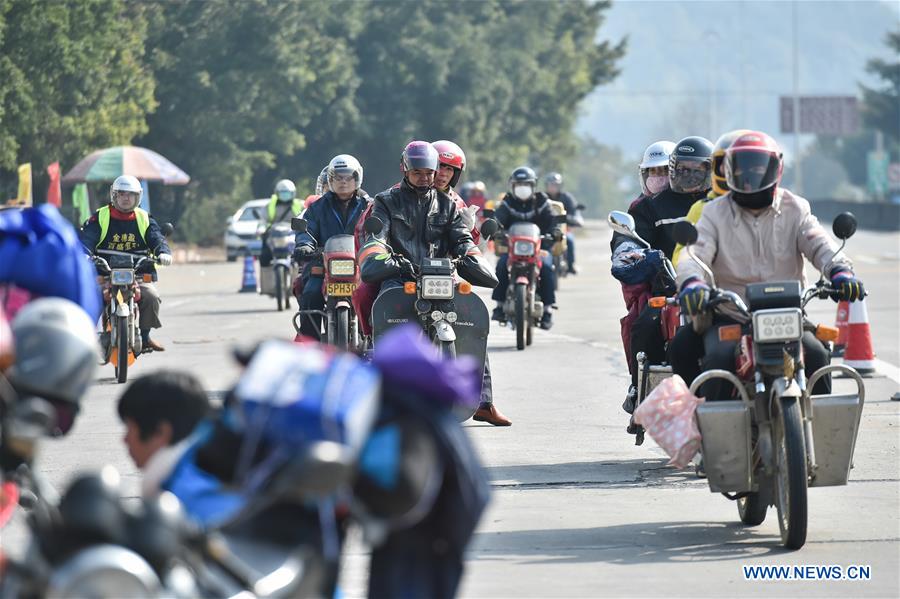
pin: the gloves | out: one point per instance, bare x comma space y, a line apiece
406, 267
694, 297
848, 288
303, 252
165, 259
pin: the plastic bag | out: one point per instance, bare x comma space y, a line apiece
667, 414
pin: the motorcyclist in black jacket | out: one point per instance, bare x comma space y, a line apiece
690, 168
554, 182
419, 222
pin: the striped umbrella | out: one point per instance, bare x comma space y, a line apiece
106, 165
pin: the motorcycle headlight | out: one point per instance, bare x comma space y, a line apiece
450, 317
122, 276
437, 287
437, 315
342, 268
777, 325
523, 248
282, 242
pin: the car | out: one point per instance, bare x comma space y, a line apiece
243, 228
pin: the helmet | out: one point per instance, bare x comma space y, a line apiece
285, 190
345, 164
56, 350
524, 175
322, 182
690, 165
719, 185
418, 154
125, 184
553, 179
753, 163
656, 155
452, 155
479, 186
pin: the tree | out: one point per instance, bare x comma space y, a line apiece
881, 106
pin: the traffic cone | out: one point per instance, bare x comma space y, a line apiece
840, 322
249, 279
859, 353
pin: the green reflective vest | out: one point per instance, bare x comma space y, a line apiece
296, 208
141, 216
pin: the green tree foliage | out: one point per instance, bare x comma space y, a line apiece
881, 106
72, 79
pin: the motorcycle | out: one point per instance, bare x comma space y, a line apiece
341, 278
559, 248
522, 309
774, 442
275, 280
453, 318
650, 375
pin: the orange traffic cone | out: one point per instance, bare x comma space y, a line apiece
859, 353
248, 284
840, 322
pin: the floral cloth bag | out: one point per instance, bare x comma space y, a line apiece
667, 414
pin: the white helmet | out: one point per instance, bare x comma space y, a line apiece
285, 190
345, 164
126, 184
657, 154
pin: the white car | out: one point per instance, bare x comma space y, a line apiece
243, 228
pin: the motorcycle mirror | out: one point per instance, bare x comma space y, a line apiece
844, 225
580, 207
489, 227
684, 233
299, 224
167, 229
373, 225
621, 222
487, 212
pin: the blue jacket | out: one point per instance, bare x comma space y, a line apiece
324, 219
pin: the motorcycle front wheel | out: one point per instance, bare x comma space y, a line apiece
790, 474
752, 509
342, 328
122, 349
448, 349
523, 320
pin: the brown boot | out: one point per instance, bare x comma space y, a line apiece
155, 346
488, 412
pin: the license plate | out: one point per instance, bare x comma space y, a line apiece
340, 289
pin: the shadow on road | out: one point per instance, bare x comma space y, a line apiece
620, 474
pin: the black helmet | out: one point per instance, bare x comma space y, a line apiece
524, 175
553, 179
690, 165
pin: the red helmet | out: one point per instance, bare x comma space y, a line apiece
452, 155
753, 163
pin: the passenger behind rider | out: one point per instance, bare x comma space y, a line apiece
523, 203
124, 227
335, 213
554, 182
757, 232
654, 217
282, 207
452, 162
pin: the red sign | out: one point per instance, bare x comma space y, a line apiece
54, 193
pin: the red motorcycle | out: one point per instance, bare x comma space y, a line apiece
336, 261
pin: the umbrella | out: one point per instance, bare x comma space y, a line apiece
105, 165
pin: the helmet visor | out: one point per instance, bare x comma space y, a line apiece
689, 176
751, 171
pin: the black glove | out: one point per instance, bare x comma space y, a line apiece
406, 267
303, 252
848, 287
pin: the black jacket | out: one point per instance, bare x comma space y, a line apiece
417, 227
513, 210
655, 217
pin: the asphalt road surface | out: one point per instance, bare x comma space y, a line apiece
577, 509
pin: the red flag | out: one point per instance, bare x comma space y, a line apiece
54, 192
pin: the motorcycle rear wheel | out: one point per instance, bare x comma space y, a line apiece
342, 328
279, 289
791, 474
523, 320
752, 509
122, 349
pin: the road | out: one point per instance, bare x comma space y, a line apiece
577, 509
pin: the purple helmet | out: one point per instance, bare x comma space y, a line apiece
418, 154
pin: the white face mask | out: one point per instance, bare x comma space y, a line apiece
523, 192
656, 184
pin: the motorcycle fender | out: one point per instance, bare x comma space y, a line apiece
123, 310
443, 331
782, 387
342, 304
522, 279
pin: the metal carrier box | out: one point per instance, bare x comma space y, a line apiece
835, 426
725, 436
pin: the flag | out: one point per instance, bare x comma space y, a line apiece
81, 202
24, 197
54, 192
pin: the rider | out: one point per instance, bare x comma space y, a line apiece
452, 162
282, 207
335, 213
689, 167
123, 227
523, 203
554, 183
757, 232
476, 194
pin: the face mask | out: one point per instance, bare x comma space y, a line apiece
756, 200
657, 183
523, 192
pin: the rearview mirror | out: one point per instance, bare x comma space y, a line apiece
489, 227
166, 229
621, 222
844, 225
580, 207
685, 233
299, 224
373, 225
